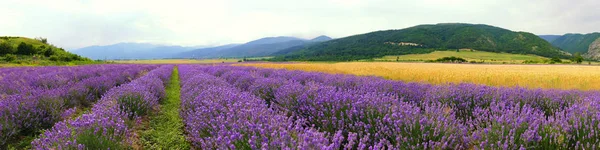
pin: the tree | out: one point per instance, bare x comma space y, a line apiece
25, 49
43, 40
577, 58
6, 48
555, 60
48, 52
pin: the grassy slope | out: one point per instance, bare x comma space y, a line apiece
16, 41
166, 129
468, 55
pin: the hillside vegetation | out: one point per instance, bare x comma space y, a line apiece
26, 50
574, 43
425, 39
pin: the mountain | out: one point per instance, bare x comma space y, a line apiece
426, 39
272, 40
321, 38
203, 52
131, 51
574, 43
260, 47
549, 38
594, 50
38, 48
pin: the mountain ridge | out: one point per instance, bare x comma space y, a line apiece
425, 39
256, 48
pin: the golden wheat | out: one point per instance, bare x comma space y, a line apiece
531, 76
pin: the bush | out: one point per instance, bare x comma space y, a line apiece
531, 62
555, 60
451, 59
54, 58
10, 57
134, 105
6, 48
48, 52
25, 49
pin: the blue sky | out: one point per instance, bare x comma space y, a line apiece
79, 23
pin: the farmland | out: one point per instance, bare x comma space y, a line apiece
478, 56
120, 106
177, 61
579, 77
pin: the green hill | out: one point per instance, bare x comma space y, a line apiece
574, 43
24, 50
425, 39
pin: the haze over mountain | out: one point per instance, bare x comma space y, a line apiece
425, 39
260, 47
549, 38
131, 51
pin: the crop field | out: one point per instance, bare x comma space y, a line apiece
186, 106
479, 56
578, 77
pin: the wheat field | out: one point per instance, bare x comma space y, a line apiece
580, 77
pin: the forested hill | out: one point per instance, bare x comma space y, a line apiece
574, 43
13, 48
425, 39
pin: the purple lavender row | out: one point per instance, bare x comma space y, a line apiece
364, 120
219, 116
26, 114
458, 116
34, 79
109, 124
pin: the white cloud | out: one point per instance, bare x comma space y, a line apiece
79, 23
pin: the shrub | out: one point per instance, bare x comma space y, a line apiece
555, 60
133, 104
6, 48
451, 59
10, 57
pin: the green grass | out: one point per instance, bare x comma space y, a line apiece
166, 128
469, 55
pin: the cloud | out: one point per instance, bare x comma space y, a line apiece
78, 23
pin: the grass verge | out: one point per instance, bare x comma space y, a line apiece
166, 128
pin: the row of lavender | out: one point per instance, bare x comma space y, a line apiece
112, 118
35, 98
370, 112
219, 116
30, 80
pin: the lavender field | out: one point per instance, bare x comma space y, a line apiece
228, 107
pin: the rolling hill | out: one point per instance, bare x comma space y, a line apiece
574, 43
261, 47
131, 51
26, 48
425, 39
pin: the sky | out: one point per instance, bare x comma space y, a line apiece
74, 24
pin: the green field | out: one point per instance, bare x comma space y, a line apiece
479, 56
